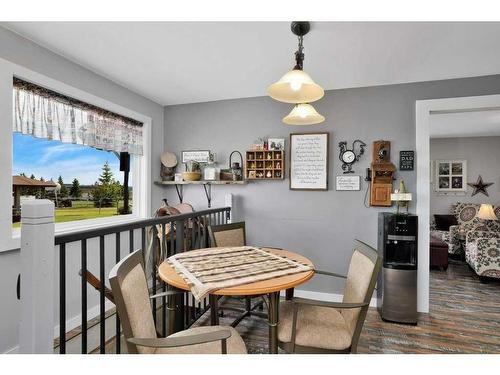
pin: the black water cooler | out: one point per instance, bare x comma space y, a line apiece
397, 283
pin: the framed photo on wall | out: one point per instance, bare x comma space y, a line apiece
309, 161
451, 175
276, 143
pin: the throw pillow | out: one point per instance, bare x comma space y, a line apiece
443, 222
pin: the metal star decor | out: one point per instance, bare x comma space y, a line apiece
480, 186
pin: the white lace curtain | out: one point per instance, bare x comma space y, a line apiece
43, 113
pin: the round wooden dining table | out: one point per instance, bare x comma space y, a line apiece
270, 288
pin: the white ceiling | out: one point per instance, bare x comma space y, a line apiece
186, 62
465, 124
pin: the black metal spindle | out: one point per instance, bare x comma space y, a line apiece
84, 294
193, 308
203, 232
62, 298
179, 236
131, 241
191, 246
102, 309
186, 309
199, 233
172, 239
153, 268
117, 319
164, 286
143, 238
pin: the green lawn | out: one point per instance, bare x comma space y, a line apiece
81, 210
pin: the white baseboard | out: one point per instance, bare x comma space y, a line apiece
76, 321
14, 350
320, 296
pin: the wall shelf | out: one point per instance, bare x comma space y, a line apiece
265, 165
207, 187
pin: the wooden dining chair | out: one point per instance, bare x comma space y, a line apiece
308, 326
234, 235
130, 291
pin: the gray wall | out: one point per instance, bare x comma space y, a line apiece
23, 52
319, 225
482, 155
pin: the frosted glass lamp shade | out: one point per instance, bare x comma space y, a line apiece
303, 114
296, 86
486, 212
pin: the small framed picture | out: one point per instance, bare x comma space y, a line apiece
348, 183
444, 183
444, 168
451, 176
457, 183
276, 143
200, 156
456, 169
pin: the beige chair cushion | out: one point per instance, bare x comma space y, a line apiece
318, 327
135, 295
358, 281
233, 237
235, 344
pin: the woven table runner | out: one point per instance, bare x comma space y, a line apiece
207, 270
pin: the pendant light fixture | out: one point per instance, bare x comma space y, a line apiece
303, 114
297, 86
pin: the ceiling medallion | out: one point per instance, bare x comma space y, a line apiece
297, 87
480, 186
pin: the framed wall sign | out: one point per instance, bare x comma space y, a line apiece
348, 183
309, 161
201, 156
406, 160
451, 175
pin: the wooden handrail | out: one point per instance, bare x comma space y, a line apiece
96, 283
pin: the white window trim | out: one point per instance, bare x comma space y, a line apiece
141, 185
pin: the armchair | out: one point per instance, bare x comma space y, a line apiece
130, 291
308, 326
482, 253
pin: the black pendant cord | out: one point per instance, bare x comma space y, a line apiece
299, 55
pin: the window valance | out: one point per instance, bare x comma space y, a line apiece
43, 113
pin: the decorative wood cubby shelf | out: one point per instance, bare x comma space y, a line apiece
265, 165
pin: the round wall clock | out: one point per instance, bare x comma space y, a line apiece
349, 156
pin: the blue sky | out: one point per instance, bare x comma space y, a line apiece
49, 159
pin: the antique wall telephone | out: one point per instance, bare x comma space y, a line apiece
381, 174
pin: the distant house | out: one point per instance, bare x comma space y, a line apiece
19, 182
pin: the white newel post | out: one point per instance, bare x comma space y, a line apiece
36, 333
228, 202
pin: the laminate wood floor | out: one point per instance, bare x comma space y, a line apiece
464, 318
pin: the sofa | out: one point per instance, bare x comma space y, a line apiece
482, 253
465, 214
482, 239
